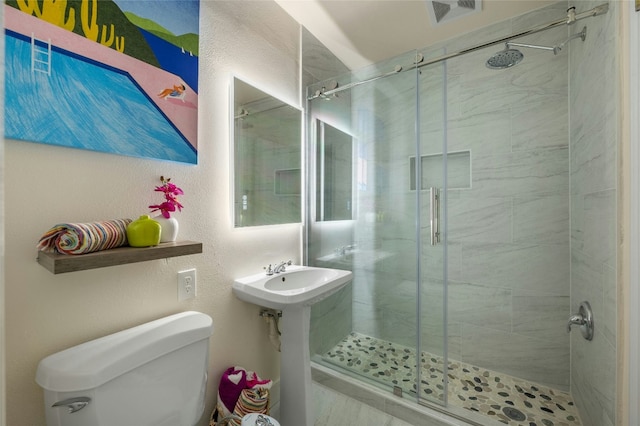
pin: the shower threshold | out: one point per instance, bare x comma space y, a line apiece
504, 399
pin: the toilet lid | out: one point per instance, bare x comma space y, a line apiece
256, 419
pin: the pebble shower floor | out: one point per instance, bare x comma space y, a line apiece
506, 399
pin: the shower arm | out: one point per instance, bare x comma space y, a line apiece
557, 48
531, 46
582, 35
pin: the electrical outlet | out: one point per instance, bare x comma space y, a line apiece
186, 284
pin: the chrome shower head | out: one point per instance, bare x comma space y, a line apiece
505, 58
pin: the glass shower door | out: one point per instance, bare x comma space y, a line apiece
386, 283
371, 329
429, 175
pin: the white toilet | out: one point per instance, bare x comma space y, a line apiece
154, 374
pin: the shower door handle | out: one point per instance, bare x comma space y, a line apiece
434, 196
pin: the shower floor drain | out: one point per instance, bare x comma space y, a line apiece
505, 399
514, 414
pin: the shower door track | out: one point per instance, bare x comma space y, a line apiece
446, 411
420, 62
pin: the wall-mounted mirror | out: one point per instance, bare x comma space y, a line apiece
334, 173
266, 137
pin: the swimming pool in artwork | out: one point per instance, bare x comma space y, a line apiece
85, 104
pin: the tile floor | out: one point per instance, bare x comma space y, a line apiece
335, 409
504, 399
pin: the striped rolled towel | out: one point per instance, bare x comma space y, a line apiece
81, 238
252, 401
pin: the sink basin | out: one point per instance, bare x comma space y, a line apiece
293, 292
299, 285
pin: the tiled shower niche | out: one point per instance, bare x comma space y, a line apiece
432, 171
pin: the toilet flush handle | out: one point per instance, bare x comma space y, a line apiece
74, 404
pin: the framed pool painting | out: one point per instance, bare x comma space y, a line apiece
117, 76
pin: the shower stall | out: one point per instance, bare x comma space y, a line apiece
476, 208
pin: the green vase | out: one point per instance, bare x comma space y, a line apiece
144, 232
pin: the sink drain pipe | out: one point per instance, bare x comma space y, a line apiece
271, 316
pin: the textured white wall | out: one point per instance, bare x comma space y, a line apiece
46, 185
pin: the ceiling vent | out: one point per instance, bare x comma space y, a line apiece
442, 11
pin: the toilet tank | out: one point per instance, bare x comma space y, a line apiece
154, 374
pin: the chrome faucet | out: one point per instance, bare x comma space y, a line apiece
281, 267
342, 251
268, 269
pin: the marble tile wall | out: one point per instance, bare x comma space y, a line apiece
594, 99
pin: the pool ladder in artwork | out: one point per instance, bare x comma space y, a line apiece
40, 55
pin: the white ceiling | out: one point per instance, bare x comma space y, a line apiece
362, 32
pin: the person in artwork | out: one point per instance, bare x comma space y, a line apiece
176, 91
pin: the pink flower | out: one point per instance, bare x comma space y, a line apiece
171, 202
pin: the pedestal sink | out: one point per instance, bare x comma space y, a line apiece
293, 292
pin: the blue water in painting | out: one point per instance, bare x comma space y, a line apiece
85, 105
173, 60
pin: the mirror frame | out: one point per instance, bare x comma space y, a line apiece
232, 154
319, 168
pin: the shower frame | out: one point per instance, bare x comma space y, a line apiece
420, 62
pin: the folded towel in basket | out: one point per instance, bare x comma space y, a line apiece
81, 238
241, 392
252, 401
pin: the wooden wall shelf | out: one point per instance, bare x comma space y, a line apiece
61, 263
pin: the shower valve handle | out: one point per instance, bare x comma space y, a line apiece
576, 319
584, 318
